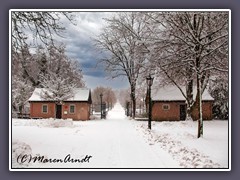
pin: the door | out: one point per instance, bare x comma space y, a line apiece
58, 111
183, 112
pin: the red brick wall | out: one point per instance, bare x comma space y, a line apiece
82, 110
207, 111
159, 114
36, 110
173, 114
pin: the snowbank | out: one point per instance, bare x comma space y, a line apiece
60, 123
19, 149
180, 140
52, 123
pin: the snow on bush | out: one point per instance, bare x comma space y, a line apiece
52, 123
18, 150
94, 117
60, 123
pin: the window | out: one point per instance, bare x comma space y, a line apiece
45, 108
165, 106
72, 109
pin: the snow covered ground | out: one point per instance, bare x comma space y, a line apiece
180, 140
118, 142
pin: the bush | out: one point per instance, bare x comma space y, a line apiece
61, 123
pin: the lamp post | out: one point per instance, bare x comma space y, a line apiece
149, 83
101, 95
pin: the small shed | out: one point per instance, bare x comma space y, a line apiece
76, 107
168, 104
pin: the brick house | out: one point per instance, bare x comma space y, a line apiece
168, 104
77, 107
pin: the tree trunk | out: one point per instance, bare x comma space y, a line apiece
133, 99
194, 109
199, 100
189, 90
200, 120
133, 106
21, 110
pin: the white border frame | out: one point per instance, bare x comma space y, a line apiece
115, 10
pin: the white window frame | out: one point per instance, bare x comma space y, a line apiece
47, 108
70, 108
166, 105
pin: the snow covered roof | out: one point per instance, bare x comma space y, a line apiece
172, 93
79, 94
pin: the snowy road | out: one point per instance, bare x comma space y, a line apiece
122, 147
112, 143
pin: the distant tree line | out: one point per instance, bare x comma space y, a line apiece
108, 96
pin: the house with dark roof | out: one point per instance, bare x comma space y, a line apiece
76, 107
168, 104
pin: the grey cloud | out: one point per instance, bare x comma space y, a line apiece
80, 46
118, 83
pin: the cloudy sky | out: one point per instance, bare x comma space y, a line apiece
79, 46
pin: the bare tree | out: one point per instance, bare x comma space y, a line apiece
21, 92
57, 87
58, 61
50, 69
122, 49
141, 96
41, 26
96, 94
124, 97
34, 66
108, 96
60, 76
194, 45
219, 89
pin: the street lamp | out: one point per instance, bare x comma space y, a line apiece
149, 83
101, 95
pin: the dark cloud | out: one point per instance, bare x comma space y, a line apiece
118, 83
89, 64
80, 46
91, 69
99, 74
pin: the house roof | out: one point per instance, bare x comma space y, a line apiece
172, 93
79, 94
